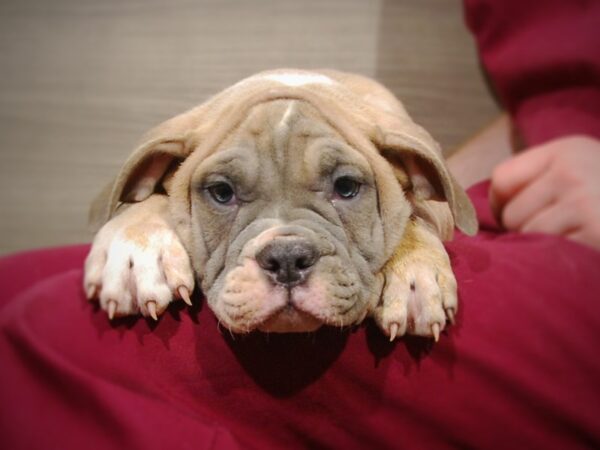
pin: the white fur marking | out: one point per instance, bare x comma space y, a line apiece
287, 115
284, 124
299, 79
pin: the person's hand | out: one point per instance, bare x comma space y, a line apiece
553, 188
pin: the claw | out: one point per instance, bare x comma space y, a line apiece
435, 329
91, 291
151, 307
185, 295
450, 314
111, 308
393, 331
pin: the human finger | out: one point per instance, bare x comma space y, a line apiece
513, 175
529, 201
558, 218
586, 236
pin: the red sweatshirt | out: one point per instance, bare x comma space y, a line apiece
543, 58
520, 368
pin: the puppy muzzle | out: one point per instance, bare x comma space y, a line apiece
277, 284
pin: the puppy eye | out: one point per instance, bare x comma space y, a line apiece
346, 187
221, 193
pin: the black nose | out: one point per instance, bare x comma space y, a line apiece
287, 261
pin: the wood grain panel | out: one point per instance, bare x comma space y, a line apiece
427, 57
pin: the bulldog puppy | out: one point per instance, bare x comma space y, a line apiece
297, 199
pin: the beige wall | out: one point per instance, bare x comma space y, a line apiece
81, 80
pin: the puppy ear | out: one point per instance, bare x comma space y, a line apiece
420, 168
139, 177
144, 172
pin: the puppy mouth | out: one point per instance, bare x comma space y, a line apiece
301, 310
290, 319
298, 308
286, 288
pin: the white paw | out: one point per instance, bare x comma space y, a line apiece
419, 294
137, 264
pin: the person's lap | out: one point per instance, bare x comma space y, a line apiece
519, 368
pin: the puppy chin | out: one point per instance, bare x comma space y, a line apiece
290, 320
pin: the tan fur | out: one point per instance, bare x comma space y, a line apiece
421, 288
137, 257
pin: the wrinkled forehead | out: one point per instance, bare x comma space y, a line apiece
286, 137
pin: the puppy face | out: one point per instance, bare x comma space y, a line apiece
288, 214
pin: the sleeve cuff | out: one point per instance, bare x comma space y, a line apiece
555, 114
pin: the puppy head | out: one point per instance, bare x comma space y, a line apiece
290, 200
286, 223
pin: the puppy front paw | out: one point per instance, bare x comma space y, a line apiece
419, 293
137, 263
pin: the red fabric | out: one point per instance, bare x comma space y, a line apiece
543, 58
519, 370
